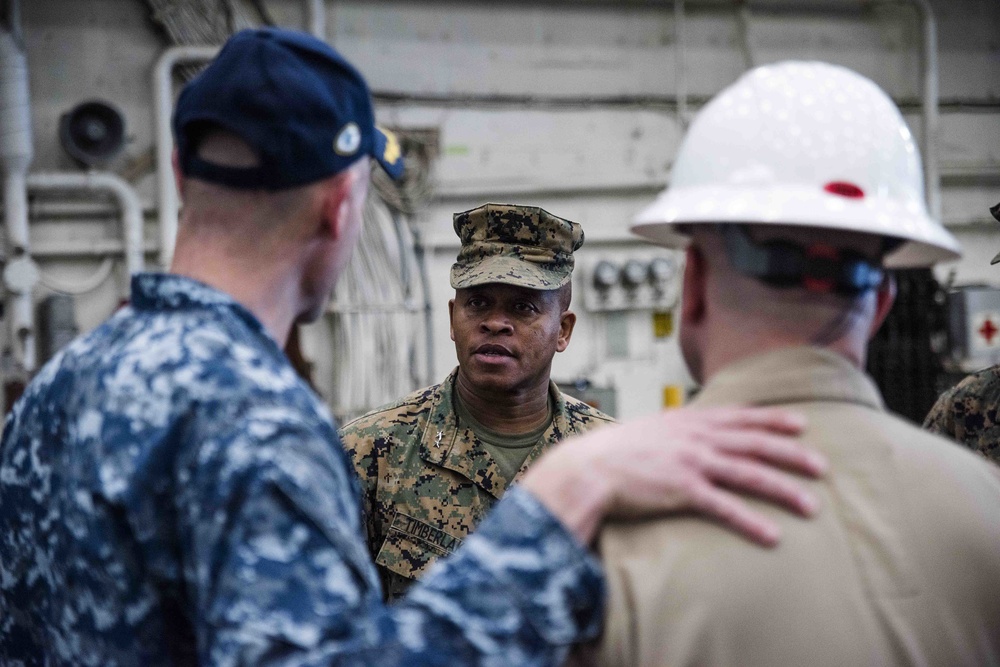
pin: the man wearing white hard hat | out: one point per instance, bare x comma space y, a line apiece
794, 191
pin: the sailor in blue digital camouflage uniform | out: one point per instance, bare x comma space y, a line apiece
171, 493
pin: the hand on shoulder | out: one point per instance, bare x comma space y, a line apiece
688, 459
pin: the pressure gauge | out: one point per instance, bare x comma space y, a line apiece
662, 270
605, 275
634, 273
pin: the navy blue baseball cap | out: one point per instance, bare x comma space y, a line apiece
299, 104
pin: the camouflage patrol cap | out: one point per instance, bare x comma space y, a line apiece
518, 245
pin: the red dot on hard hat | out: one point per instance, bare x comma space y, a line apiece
844, 189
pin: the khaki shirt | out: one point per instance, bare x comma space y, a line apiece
968, 413
427, 481
900, 567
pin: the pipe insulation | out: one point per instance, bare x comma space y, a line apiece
16, 153
111, 184
15, 199
316, 18
680, 67
929, 119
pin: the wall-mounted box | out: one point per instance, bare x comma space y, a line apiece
974, 326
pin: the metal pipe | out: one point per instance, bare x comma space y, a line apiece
126, 196
15, 198
316, 18
680, 33
473, 100
12, 17
82, 248
16, 150
929, 120
655, 103
471, 195
23, 326
163, 102
16, 154
40, 210
743, 31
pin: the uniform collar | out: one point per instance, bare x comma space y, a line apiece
168, 291
454, 446
791, 375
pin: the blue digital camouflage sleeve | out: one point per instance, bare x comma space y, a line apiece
168, 475
283, 576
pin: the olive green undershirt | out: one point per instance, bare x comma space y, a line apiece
508, 451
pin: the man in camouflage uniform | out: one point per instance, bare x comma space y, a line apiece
432, 464
969, 412
171, 493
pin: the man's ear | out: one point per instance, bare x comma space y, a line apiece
693, 288
451, 317
175, 162
336, 204
885, 297
566, 323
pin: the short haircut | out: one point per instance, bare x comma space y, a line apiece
565, 296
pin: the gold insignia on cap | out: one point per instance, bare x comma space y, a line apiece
392, 150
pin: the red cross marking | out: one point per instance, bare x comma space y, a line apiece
988, 331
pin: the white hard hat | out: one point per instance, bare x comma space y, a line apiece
802, 143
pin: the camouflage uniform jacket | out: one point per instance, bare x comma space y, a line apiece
173, 494
427, 480
969, 412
